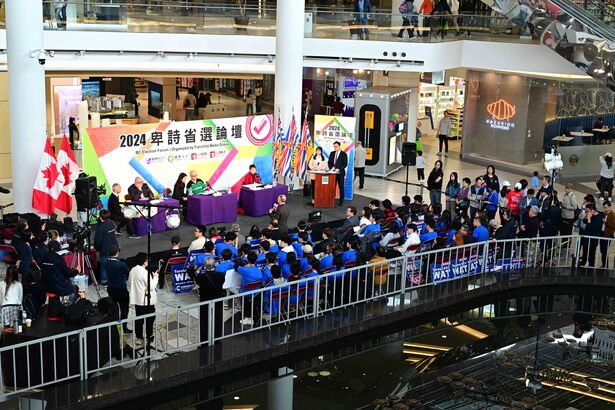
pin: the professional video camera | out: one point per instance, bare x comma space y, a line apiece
81, 237
101, 189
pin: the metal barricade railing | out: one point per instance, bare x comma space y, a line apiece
99, 348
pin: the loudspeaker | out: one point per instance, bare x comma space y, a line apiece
86, 193
408, 154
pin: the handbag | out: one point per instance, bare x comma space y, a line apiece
403, 7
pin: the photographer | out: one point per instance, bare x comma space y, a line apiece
103, 239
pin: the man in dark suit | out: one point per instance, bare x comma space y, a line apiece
338, 161
139, 190
280, 213
113, 205
351, 221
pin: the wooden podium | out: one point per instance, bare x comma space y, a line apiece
324, 190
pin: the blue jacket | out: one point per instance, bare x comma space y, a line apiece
481, 234
426, 237
249, 274
225, 266
367, 8
117, 272
104, 237
222, 246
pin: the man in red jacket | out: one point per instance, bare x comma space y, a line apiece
252, 177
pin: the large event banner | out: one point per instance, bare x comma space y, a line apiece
220, 150
327, 130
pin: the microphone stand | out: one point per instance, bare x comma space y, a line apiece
148, 218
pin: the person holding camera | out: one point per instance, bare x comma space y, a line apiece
104, 238
143, 297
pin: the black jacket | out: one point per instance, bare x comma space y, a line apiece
178, 190
56, 275
105, 237
135, 193
507, 231
281, 214
340, 164
431, 180
24, 254
350, 222
113, 205
210, 285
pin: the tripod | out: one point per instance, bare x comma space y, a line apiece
82, 255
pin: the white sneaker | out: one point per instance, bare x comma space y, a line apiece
439, 154
247, 321
139, 342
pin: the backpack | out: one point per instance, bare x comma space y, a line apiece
403, 7
31, 308
78, 312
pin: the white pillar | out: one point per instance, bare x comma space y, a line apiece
289, 59
280, 391
24, 33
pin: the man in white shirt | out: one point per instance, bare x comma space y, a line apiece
359, 163
199, 242
412, 239
444, 131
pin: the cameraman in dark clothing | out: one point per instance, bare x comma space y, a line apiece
104, 237
117, 273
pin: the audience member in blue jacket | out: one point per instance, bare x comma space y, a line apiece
249, 273
431, 233
229, 240
226, 263
491, 200
481, 234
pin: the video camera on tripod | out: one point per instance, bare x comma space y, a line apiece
81, 238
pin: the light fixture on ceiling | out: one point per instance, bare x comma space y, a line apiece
355, 71
326, 73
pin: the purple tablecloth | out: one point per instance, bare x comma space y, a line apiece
209, 209
258, 202
159, 221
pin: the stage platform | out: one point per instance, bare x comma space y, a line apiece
299, 210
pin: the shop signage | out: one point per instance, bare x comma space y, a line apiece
501, 114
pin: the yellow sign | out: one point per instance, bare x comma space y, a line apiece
368, 153
369, 120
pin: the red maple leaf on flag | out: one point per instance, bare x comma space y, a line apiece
51, 174
66, 172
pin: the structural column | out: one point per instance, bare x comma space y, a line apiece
24, 32
289, 59
280, 391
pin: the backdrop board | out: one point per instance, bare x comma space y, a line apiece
220, 150
329, 129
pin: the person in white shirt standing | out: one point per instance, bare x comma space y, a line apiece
360, 155
139, 292
444, 131
420, 166
11, 295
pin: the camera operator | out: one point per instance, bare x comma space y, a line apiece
104, 237
116, 212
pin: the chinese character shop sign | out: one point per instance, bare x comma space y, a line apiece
502, 112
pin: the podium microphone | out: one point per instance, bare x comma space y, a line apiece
210, 187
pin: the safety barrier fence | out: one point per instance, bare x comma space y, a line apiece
409, 280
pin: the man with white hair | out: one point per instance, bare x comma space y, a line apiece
280, 212
140, 191
194, 179
117, 214
531, 224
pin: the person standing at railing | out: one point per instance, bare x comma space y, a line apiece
491, 201
450, 192
434, 183
461, 199
442, 9
425, 10
605, 181
210, 288
569, 209
467, 9
142, 297
60, 8
609, 232
593, 228
362, 8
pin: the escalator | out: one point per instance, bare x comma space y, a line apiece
582, 33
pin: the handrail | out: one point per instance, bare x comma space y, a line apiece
471, 265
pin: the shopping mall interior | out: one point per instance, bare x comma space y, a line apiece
307, 204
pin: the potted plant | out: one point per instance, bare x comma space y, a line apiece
241, 21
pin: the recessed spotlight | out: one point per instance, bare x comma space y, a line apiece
324, 373
355, 71
318, 71
312, 374
236, 398
443, 336
326, 73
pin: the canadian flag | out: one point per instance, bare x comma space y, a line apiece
70, 171
49, 182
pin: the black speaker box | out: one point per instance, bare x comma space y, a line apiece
86, 193
408, 154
